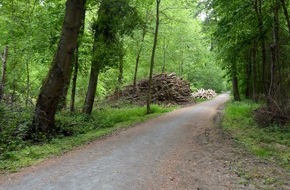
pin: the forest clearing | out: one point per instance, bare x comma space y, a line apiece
79, 73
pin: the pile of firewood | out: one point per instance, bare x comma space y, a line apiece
204, 94
166, 89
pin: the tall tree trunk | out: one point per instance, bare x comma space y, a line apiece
27, 84
63, 99
92, 87
138, 57
153, 56
181, 64
235, 83
3, 72
285, 10
259, 13
164, 56
274, 53
58, 75
248, 92
74, 80
121, 66
121, 73
254, 55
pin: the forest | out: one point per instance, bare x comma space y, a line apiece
61, 60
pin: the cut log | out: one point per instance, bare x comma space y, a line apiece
204, 94
166, 89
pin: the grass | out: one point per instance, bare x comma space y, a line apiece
272, 143
82, 129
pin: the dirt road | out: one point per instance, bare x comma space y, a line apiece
182, 150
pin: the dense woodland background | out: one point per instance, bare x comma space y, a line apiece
60, 57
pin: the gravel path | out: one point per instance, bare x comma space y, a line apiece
182, 150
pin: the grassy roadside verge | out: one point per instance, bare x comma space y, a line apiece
80, 130
271, 143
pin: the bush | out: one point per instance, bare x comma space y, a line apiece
271, 143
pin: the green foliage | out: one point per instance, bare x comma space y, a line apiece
242, 37
77, 129
30, 30
208, 77
269, 143
116, 18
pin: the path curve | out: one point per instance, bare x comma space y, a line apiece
179, 150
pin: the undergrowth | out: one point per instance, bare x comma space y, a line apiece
74, 130
271, 143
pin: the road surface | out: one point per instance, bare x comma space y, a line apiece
183, 149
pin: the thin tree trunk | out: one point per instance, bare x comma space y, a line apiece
93, 81
153, 56
249, 76
181, 64
254, 54
138, 57
259, 13
274, 52
286, 14
164, 56
3, 72
121, 67
74, 81
121, 73
92, 88
27, 84
235, 83
76, 62
50, 93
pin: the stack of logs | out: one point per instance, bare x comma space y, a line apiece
166, 89
204, 94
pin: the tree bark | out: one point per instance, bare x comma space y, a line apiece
74, 80
254, 54
27, 84
92, 87
164, 56
63, 99
153, 57
3, 72
274, 52
248, 92
58, 75
235, 83
121, 73
259, 13
138, 57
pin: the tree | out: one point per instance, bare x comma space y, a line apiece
31, 30
3, 73
58, 75
138, 57
74, 80
255, 50
153, 56
116, 18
